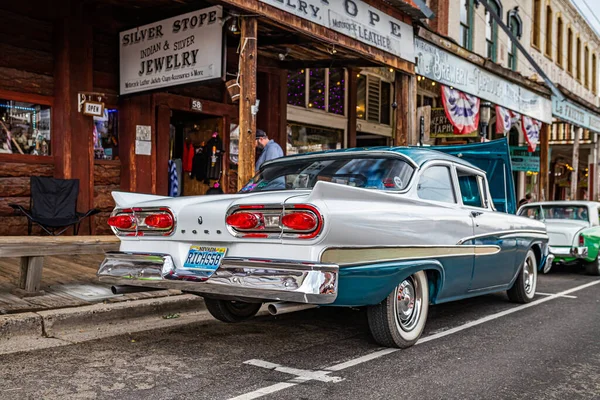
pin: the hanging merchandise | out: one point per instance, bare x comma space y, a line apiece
215, 189
461, 109
199, 164
531, 130
214, 156
188, 155
173, 181
505, 119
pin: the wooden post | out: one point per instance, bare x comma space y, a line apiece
248, 55
73, 73
400, 121
575, 165
544, 151
163, 125
352, 101
30, 279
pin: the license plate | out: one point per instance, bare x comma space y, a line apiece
204, 261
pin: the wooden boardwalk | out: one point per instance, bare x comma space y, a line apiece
63, 279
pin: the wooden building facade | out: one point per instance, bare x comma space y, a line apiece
57, 54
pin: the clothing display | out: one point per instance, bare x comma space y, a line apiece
188, 156
173, 181
199, 165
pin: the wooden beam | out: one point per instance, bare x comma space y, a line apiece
352, 102
248, 56
163, 122
33, 246
543, 193
183, 103
322, 34
330, 63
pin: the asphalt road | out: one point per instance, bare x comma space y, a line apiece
482, 348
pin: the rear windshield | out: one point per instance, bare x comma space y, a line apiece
379, 173
574, 212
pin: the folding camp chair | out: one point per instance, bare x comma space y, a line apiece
53, 205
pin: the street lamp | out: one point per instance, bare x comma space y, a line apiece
484, 118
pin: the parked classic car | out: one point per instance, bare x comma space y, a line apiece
573, 230
392, 229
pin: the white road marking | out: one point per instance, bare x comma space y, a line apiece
380, 353
303, 374
550, 294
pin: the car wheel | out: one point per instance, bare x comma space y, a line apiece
523, 290
231, 311
593, 268
399, 320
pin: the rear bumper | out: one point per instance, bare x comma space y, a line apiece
569, 252
236, 278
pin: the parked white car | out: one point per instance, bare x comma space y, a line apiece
573, 229
392, 229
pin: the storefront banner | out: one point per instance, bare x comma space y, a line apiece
531, 131
356, 19
523, 160
461, 109
570, 112
187, 48
444, 67
505, 119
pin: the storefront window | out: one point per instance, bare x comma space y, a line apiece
326, 89
361, 101
316, 90
297, 88
24, 128
308, 138
336, 91
106, 135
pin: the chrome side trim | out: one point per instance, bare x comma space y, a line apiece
506, 234
348, 256
236, 278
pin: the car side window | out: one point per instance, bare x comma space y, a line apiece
470, 189
435, 184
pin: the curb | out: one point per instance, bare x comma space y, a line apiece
53, 323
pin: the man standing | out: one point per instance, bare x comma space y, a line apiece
270, 149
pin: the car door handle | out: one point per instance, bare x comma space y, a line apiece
476, 214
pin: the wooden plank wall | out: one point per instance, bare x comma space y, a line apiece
107, 178
14, 188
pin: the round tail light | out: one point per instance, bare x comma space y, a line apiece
160, 221
243, 220
122, 221
300, 221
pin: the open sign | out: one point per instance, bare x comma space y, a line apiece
93, 108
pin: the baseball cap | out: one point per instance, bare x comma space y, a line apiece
260, 134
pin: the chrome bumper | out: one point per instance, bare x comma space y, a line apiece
236, 278
577, 252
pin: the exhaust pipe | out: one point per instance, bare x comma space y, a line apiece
123, 289
285, 307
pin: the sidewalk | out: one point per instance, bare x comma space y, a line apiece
76, 307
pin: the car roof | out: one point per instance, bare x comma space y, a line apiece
564, 203
419, 155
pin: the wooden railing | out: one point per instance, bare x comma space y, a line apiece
32, 250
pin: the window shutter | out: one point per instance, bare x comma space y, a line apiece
373, 96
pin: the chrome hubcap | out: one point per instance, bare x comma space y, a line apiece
529, 275
408, 304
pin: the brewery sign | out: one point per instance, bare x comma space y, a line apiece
183, 49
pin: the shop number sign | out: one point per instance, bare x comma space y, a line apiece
196, 105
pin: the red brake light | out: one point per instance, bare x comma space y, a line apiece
243, 220
122, 221
581, 241
300, 221
160, 221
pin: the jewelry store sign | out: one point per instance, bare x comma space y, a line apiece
356, 19
184, 49
570, 112
446, 68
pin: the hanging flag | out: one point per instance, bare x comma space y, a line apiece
531, 130
505, 119
461, 109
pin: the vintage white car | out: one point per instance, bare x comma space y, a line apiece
392, 229
573, 229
